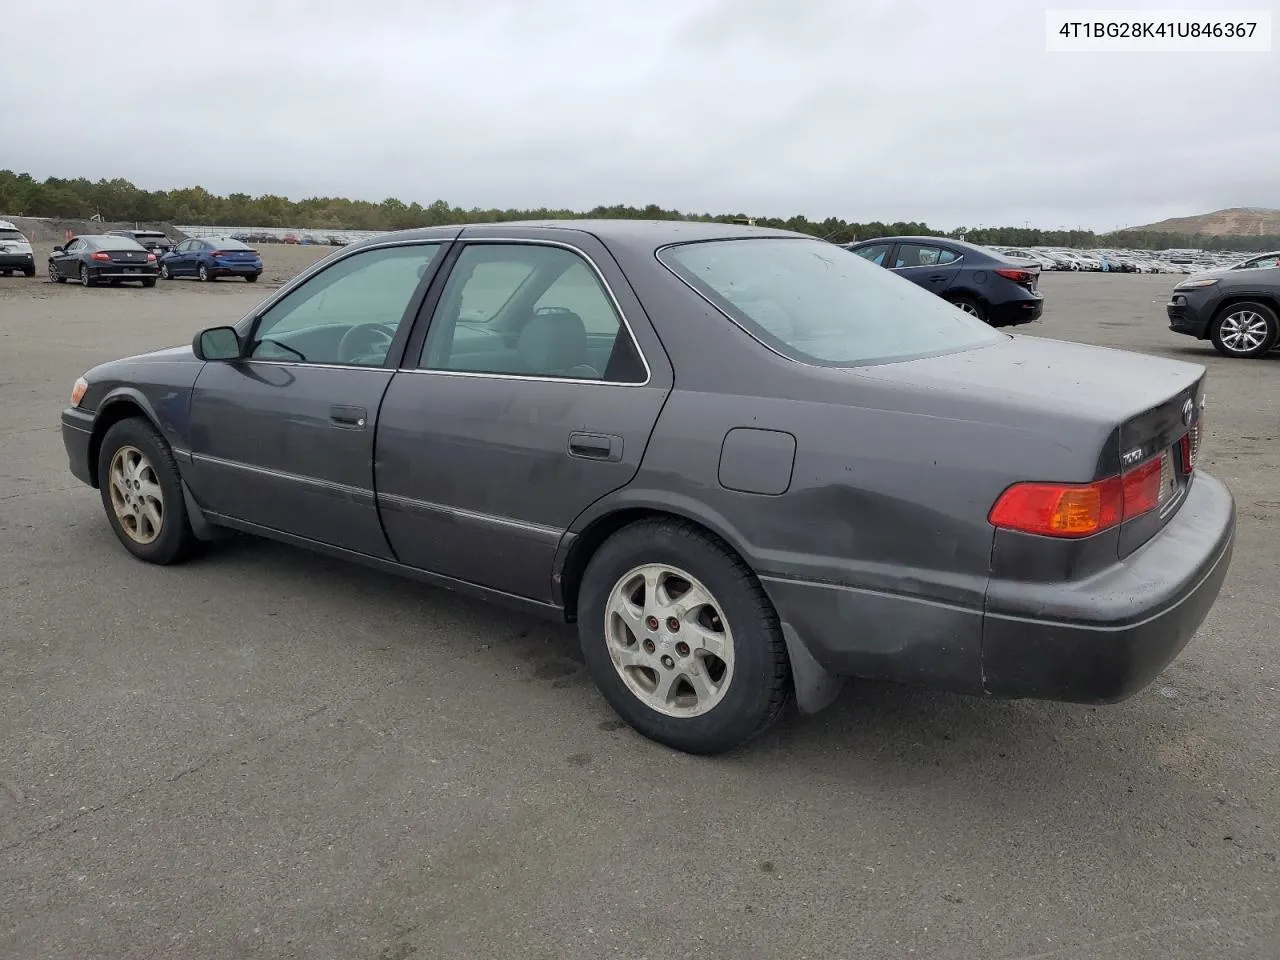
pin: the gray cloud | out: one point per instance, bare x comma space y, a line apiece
952, 113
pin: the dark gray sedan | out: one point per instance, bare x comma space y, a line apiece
1237, 310
745, 463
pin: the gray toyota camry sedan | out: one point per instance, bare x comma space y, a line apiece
746, 463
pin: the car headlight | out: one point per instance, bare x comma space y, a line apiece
77, 391
1196, 284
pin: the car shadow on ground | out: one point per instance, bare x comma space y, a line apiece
904, 727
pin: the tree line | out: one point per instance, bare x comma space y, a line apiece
119, 200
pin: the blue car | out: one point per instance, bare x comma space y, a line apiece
209, 258
992, 287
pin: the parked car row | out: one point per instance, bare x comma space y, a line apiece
1136, 261
117, 257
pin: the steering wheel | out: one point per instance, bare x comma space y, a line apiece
366, 344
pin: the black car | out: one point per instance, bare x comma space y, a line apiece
992, 287
745, 463
157, 241
97, 258
1238, 310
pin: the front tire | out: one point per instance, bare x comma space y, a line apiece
54, 275
1243, 331
681, 638
141, 491
164, 272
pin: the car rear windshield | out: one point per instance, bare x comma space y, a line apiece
819, 303
226, 243
7, 234
141, 236
116, 243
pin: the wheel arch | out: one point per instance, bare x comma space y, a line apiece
121, 404
601, 521
1266, 298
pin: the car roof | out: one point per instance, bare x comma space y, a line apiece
6, 225
639, 235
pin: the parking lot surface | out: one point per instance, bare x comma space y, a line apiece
265, 753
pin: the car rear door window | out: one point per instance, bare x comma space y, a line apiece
920, 255
874, 252
529, 310
347, 314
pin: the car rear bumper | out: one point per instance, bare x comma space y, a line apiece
1105, 637
77, 436
16, 261
235, 269
1013, 312
1096, 640
112, 272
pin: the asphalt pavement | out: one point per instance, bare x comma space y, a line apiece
266, 753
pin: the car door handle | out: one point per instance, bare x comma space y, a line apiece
595, 446
349, 417
938, 277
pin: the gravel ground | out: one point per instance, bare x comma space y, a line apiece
270, 754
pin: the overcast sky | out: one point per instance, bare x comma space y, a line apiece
944, 111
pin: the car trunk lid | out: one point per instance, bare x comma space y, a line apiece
1143, 412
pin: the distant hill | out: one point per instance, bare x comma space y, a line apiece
1234, 222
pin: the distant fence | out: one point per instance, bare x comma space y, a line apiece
301, 234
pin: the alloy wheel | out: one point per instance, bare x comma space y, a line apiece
669, 640
136, 495
1243, 331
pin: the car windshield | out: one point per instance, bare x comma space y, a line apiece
811, 301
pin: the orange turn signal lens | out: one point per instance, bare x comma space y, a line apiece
77, 392
1060, 509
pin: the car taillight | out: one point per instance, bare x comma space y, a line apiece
218, 253
1083, 509
100, 256
1016, 275
1189, 445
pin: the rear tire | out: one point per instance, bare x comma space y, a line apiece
149, 282
204, 274
85, 278
1243, 331
141, 491
970, 306
670, 685
29, 272
251, 278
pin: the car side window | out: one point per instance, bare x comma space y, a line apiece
347, 314
947, 256
917, 255
875, 252
75, 246
529, 310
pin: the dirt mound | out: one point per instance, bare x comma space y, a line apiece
53, 230
1233, 222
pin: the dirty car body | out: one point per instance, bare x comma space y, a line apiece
926, 500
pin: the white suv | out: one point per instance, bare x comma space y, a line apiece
15, 251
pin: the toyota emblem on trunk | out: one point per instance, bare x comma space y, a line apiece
1188, 411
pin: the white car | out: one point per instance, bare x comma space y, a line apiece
15, 251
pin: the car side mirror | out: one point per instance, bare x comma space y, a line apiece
216, 343
57, 249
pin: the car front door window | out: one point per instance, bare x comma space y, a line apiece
348, 314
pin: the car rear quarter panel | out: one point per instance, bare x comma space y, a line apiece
878, 552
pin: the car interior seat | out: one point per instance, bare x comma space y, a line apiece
554, 342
